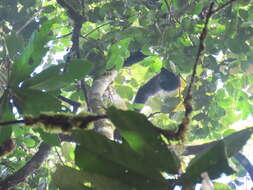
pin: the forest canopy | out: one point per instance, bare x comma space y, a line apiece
132, 94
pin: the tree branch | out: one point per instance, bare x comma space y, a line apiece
78, 21
95, 93
32, 165
84, 89
100, 26
72, 13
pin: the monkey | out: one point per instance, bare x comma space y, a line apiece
134, 57
165, 80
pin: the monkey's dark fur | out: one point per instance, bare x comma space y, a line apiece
165, 80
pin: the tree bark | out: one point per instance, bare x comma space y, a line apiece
32, 165
95, 94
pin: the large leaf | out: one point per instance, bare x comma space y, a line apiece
32, 55
236, 141
49, 138
5, 115
58, 76
70, 178
14, 44
34, 101
98, 155
66, 178
214, 159
144, 139
118, 52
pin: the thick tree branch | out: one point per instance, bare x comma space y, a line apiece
78, 21
84, 89
75, 37
32, 165
72, 13
95, 102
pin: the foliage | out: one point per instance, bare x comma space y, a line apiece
34, 79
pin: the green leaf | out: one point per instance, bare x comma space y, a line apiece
220, 186
98, 155
118, 52
54, 78
213, 160
66, 178
236, 141
125, 92
178, 4
29, 142
50, 139
228, 132
198, 8
237, 46
32, 55
156, 65
185, 40
18, 131
6, 115
70, 178
144, 139
48, 9
170, 34
14, 44
34, 101
68, 151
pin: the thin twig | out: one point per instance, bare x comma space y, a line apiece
64, 36
183, 127
153, 114
78, 22
200, 49
202, 39
100, 26
31, 166
59, 156
187, 100
82, 4
11, 122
